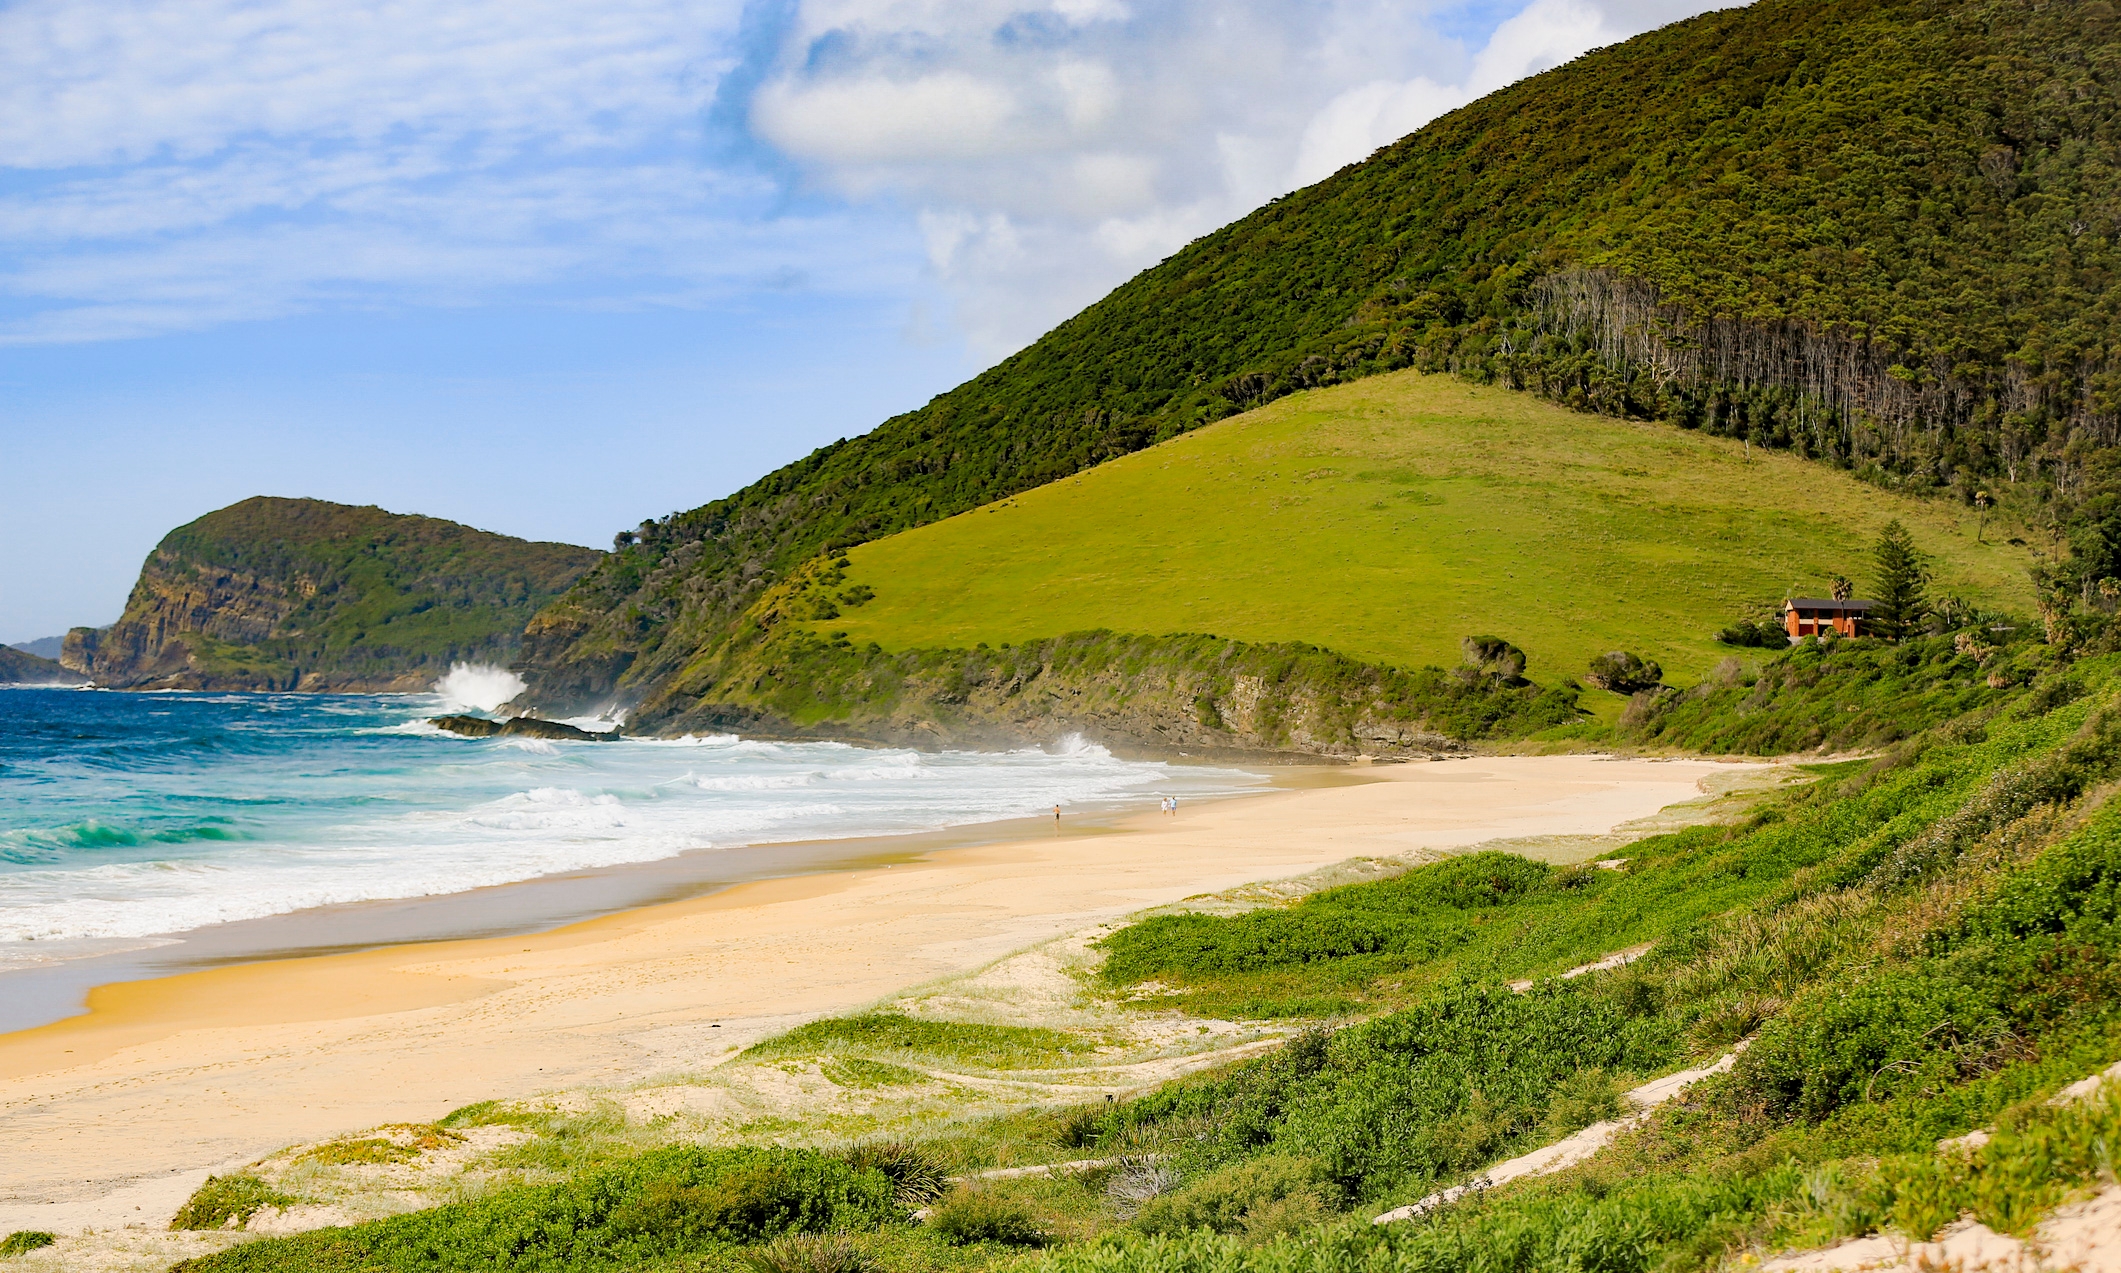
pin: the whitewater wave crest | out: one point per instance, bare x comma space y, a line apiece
478, 687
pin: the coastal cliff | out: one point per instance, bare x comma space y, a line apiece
1186, 694
1197, 696
297, 594
20, 667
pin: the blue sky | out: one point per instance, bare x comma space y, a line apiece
550, 268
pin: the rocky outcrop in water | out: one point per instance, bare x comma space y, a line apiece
519, 727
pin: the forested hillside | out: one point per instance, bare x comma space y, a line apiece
1880, 234
284, 594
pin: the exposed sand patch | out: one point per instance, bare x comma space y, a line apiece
172, 1078
2084, 1237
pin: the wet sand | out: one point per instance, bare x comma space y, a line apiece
165, 1078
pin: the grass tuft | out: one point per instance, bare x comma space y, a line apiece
228, 1202
23, 1241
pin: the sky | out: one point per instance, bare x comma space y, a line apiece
551, 268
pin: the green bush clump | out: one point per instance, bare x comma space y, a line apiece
1409, 1097
661, 1204
917, 1178
1624, 673
1419, 916
228, 1202
809, 1253
1257, 1197
1583, 1098
969, 1214
1764, 634
23, 1241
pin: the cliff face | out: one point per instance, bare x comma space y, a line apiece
289, 594
19, 667
1200, 696
1197, 695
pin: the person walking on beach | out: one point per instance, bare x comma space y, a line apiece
1056, 813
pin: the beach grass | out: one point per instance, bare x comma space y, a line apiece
1389, 518
860, 1040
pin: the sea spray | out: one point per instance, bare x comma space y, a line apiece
479, 687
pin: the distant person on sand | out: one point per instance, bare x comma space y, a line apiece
1056, 813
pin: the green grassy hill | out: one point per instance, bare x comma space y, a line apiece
1389, 518
282, 594
1875, 233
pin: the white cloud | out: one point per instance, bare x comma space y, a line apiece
176, 164
1052, 149
173, 164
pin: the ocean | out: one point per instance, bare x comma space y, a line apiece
126, 818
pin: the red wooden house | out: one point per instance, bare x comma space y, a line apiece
1810, 616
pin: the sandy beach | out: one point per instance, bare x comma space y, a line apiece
112, 1117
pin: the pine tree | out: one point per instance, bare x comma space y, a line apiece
1897, 601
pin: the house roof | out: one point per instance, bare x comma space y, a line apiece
1827, 604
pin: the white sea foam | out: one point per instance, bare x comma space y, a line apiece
478, 687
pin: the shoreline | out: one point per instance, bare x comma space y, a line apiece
45, 993
166, 1079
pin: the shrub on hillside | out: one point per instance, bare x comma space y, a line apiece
970, 1214
1765, 634
1259, 1197
1624, 673
1493, 656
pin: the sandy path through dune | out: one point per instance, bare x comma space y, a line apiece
165, 1078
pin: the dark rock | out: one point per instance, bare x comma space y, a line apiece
520, 727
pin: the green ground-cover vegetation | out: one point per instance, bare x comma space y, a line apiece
893, 1035
1877, 234
1389, 519
667, 1204
1916, 944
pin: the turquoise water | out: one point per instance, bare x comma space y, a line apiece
124, 817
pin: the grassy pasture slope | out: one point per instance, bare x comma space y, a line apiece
1388, 518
